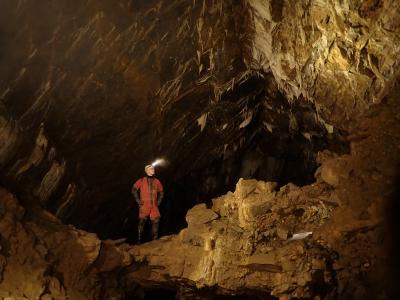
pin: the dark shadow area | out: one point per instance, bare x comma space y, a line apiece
285, 152
263, 157
154, 294
206, 294
393, 241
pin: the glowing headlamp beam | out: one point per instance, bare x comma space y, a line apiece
157, 162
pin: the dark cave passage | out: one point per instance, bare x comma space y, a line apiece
265, 158
203, 294
286, 155
209, 168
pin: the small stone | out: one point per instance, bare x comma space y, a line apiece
269, 249
282, 232
200, 214
46, 297
318, 264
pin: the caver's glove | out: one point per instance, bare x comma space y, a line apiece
160, 198
136, 196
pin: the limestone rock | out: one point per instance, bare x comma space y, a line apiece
200, 215
213, 253
334, 171
282, 232
48, 260
343, 58
212, 76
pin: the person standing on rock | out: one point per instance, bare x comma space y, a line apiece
151, 195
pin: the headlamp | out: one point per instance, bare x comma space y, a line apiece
158, 162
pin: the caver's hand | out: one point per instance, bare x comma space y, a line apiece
136, 196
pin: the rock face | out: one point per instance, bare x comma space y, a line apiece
78, 67
44, 259
112, 85
326, 240
254, 243
245, 248
91, 91
338, 54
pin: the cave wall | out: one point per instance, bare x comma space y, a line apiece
41, 258
242, 245
112, 85
91, 91
95, 90
342, 55
245, 241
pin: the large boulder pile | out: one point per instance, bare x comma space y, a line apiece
42, 259
247, 241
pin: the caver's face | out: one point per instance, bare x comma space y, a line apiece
150, 171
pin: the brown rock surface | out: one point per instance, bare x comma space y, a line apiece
44, 259
200, 215
234, 254
236, 246
83, 81
346, 256
338, 54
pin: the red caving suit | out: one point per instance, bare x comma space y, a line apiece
148, 197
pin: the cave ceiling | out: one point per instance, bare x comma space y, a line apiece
91, 91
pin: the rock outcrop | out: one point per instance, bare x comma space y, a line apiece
250, 245
43, 259
338, 54
90, 91
326, 240
248, 240
244, 243
215, 76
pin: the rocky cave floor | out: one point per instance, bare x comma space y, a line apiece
242, 246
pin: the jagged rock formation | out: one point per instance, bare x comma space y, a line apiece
220, 83
85, 65
244, 243
338, 54
43, 259
90, 91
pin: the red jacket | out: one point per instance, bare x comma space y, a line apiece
148, 193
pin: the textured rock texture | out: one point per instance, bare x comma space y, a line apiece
124, 81
234, 247
249, 246
43, 259
117, 83
341, 55
244, 244
92, 90
252, 245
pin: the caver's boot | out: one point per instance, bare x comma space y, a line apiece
154, 228
141, 224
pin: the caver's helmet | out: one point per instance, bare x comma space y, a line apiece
147, 167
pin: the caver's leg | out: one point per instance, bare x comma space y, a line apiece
154, 227
141, 224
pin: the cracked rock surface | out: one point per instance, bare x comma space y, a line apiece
92, 90
246, 241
